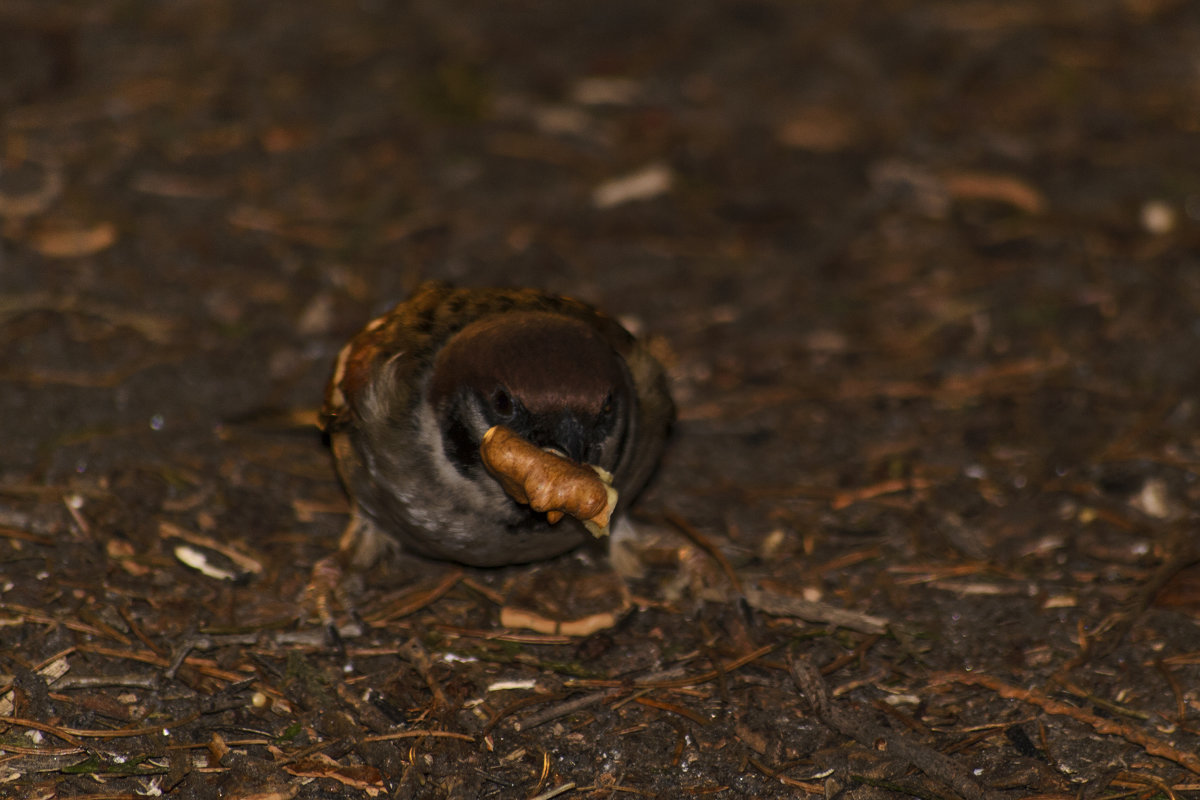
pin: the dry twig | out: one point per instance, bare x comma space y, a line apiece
1152, 745
867, 733
707, 545
810, 611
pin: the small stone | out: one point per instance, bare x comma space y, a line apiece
1158, 217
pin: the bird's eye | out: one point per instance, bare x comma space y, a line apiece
607, 407
502, 402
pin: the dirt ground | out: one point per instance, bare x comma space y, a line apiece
926, 279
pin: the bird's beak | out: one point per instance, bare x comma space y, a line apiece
564, 436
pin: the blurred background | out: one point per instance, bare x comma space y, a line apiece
924, 275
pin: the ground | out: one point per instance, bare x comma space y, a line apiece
925, 278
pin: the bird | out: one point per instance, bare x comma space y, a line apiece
414, 395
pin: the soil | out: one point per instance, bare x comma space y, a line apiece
924, 275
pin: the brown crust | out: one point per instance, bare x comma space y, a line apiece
547, 482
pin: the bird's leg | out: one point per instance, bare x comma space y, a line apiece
361, 545
363, 542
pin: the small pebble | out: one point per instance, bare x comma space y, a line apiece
1158, 217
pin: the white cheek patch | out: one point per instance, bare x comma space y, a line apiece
475, 494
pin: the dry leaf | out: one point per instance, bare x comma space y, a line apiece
819, 129
217, 750
281, 793
584, 626
75, 242
999, 188
367, 778
644, 184
566, 599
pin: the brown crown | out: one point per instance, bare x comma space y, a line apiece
547, 360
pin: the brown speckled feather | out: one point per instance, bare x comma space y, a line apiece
409, 484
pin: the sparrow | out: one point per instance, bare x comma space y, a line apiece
428, 405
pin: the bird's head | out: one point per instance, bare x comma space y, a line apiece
552, 379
